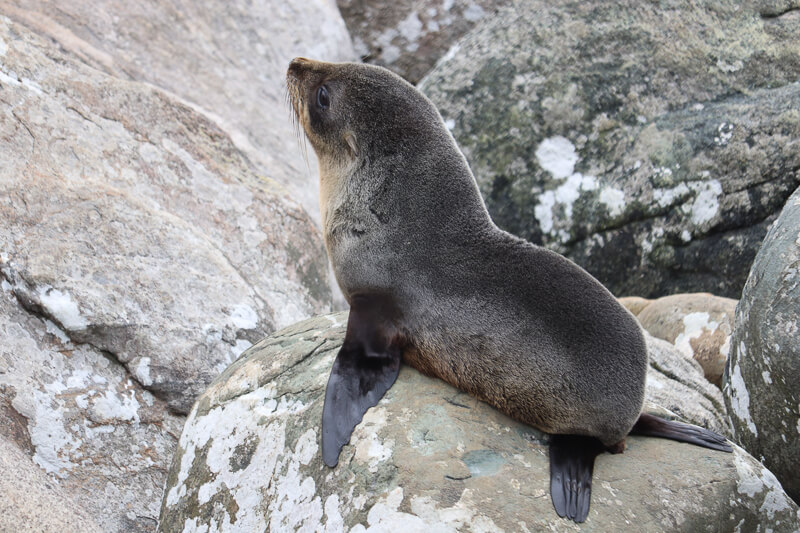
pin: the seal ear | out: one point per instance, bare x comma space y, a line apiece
366, 366
350, 140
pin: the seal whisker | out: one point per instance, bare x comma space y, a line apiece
294, 103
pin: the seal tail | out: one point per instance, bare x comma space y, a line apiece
658, 427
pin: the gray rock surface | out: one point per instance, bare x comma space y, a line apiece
88, 445
226, 58
675, 382
135, 225
426, 458
699, 325
653, 143
34, 503
763, 372
409, 36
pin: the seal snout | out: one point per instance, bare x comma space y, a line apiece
299, 66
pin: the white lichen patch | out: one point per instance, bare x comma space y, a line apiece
240, 346
336, 320
725, 349
614, 199
667, 197
111, 406
247, 437
565, 195
706, 202
3, 48
724, 134
426, 515
62, 308
294, 503
57, 449
739, 396
410, 28
369, 448
557, 156
754, 479
543, 211
385, 516
244, 317
57, 331
142, 371
474, 13
694, 325
334, 523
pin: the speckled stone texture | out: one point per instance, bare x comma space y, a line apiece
761, 380
226, 58
32, 503
698, 324
80, 432
426, 458
409, 36
140, 254
135, 225
651, 142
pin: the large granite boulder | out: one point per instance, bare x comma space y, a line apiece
699, 325
651, 142
427, 458
226, 58
135, 225
409, 36
763, 372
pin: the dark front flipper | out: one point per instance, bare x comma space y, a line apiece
366, 366
571, 466
658, 427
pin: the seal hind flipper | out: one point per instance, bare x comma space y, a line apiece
658, 427
366, 366
571, 466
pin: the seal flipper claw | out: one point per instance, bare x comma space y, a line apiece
658, 427
571, 466
365, 368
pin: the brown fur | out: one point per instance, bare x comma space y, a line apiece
512, 323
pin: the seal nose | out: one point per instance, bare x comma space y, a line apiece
297, 64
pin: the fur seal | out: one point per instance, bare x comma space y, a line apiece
433, 282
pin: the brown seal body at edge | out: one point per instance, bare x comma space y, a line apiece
430, 279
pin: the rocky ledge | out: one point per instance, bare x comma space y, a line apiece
430, 458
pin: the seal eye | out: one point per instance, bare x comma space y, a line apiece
323, 99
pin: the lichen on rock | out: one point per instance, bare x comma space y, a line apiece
429, 457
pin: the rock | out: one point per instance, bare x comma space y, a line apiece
31, 502
634, 304
760, 382
409, 37
652, 143
84, 447
675, 382
134, 224
226, 58
699, 325
427, 458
